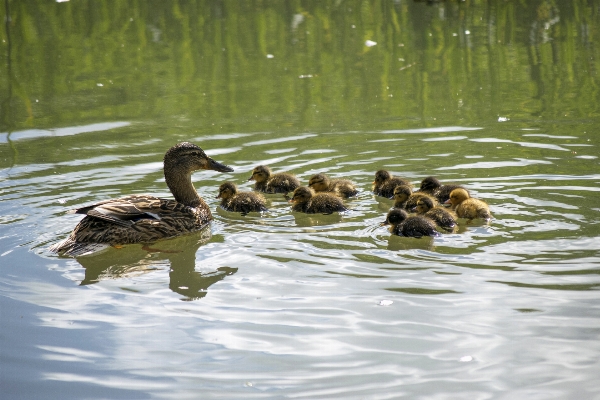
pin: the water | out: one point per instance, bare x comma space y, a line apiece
287, 305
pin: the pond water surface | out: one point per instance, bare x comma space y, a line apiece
501, 98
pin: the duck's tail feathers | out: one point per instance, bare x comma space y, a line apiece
71, 248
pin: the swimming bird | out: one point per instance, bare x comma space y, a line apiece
414, 226
442, 217
467, 207
342, 187
144, 218
384, 183
244, 202
406, 199
306, 201
433, 187
268, 182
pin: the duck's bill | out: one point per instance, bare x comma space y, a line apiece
384, 223
217, 166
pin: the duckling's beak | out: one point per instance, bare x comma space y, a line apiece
291, 200
217, 166
384, 223
392, 198
414, 209
251, 177
448, 202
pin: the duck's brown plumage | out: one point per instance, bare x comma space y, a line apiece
268, 182
433, 187
306, 201
467, 207
414, 226
244, 202
406, 199
442, 217
384, 183
341, 187
146, 218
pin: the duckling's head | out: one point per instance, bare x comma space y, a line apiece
319, 182
227, 190
395, 217
186, 157
457, 196
402, 193
423, 205
260, 173
381, 176
301, 195
430, 184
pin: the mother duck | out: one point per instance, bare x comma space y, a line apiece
145, 218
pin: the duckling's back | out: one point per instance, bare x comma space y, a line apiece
442, 218
246, 202
344, 188
416, 226
325, 203
473, 208
282, 183
386, 189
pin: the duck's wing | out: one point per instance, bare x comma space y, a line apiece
126, 211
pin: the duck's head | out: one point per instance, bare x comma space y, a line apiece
227, 190
401, 193
186, 157
457, 196
319, 182
423, 205
260, 174
381, 176
430, 184
395, 217
301, 195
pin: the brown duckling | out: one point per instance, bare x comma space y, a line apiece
306, 201
403, 225
268, 182
442, 217
384, 183
405, 198
342, 187
244, 202
433, 187
467, 207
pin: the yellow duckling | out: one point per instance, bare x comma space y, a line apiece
306, 201
405, 198
442, 217
467, 207
384, 183
268, 182
244, 202
342, 187
433, 187
403, 225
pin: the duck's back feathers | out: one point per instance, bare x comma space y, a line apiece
442, 218
443, 193
416, 226
245, 202
325, 203
473, 208
282, 182
386, 188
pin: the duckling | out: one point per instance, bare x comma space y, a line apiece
405, 198
433, 187
403, 225
384, 183
144, 218
244, 202
268, 182
442, 217
467, 207
306, 201
342, 187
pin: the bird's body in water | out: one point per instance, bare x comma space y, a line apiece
467, 207
341, 187
433, 187
244, 202
384, 183
268, 182
306, 201
405, 199
403, 225
442, 217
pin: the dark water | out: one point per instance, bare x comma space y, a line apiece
499, 96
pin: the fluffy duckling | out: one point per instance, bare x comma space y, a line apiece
442, 217
306, 201
405, 198
244, 202
342, 187
403, 225
433, 187
268, 182
467, 207
384, 183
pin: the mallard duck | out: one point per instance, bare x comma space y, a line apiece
306, 201
467, 207
244, 202
268, 182
405, 198
384, 183
442, 217
403, 225
145, 218
342, 187
433, 187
